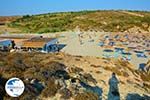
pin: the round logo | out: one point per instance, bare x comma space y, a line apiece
14, 87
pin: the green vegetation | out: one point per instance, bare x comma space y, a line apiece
97, 20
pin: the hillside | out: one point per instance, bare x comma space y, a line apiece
4, 20
41, 72
108, 21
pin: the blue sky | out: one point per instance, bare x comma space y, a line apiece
23, 7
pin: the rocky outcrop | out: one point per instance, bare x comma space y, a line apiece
135, 96
136, 29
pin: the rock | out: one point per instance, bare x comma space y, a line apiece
147, 67
90, 78
65, 93
145, 25
94, 89
136, 29
74, 69
134, 96
149, 29
118, 27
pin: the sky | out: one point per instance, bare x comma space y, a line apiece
24, 7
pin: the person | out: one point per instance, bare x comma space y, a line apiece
45, 47
57, 46
113, 88
80, 40
13, 44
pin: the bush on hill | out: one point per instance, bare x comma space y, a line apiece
99, 20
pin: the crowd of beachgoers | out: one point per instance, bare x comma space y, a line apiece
132, 47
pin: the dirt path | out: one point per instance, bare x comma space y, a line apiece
133, 13
4, 28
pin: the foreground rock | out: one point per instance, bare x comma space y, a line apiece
65, 77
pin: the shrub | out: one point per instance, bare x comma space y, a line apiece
87, 96
26, 16
2, 85
51, 89
65, 93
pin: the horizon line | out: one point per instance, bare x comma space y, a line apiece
52, 12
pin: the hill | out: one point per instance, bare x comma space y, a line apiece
7, 19
4, 20
108, 21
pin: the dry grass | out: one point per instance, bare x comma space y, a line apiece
33, 65
50, 90
87, 96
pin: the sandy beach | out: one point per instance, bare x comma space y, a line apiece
90, 47
84, 44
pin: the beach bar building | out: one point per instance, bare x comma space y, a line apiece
5, 44
40, 44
